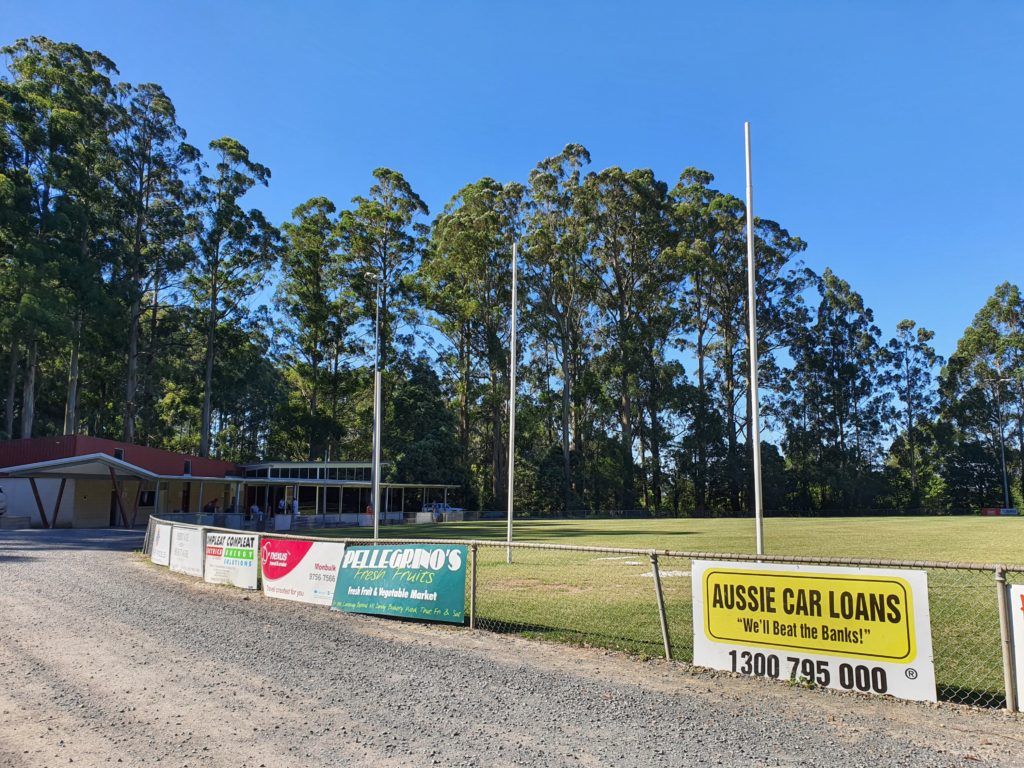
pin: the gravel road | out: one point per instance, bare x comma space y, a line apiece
108, 660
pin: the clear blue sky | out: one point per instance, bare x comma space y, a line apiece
887, 135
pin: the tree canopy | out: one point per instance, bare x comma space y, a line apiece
142, 298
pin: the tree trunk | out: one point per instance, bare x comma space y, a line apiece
464, 396
132, 374
654, 442
12, 389
497, 443
566, 454
211, 329
28, 401
626, 426
700, 484
730, 418
71, 402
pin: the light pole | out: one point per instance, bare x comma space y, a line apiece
512, 408
755, 431
375, 492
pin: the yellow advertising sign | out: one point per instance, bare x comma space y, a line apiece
833, 614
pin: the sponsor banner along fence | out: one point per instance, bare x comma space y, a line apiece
410, 581
187, 550
160, 548
231, 559
641, 601
305, 571
854, 629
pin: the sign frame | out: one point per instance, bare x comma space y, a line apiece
160, 548
426, 582
300, 570
191, 558
224, 559
842, 627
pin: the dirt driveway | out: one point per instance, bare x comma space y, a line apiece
107, 660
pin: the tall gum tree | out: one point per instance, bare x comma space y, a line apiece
556, 245
152, 184
468, 275
313, 304
628, 232
235, 249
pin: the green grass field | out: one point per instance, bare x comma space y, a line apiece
956, 539
589, 598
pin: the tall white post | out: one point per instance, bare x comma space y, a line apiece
755, 432
376, 418
512, 405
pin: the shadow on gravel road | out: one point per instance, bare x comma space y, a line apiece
18, 543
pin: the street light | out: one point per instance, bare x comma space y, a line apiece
375, 492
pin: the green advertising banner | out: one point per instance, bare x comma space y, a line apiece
411, 581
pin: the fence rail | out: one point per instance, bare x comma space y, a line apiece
639, 600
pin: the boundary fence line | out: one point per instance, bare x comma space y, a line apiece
973, 649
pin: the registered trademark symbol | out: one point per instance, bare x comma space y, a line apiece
911, 673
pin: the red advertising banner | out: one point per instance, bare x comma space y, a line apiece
304, 571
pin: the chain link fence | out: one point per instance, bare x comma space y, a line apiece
608, 598
639, 601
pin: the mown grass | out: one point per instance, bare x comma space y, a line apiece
956, 539
609, 601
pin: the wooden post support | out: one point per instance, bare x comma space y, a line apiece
135, 506
39, 502
661, 607
117, 496
56, 506
472, 586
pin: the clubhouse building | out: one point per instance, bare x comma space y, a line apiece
89, 482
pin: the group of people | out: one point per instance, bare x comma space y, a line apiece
256, 513
213, 507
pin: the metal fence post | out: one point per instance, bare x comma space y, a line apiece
472, 587
1005, 640
661, 606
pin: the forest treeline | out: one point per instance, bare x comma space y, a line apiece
142, 300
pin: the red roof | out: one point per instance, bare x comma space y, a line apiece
35, 449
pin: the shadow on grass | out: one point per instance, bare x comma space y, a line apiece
524, 531
975, 697
645, 648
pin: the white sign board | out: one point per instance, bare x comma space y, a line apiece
1017, 631
854, 629
187, 551
160, 551
231, 559
299, 570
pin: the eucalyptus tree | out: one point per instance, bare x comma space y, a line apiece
57, 107
910, 365
234, 251
711, 229
152, 180
835, 409
983, 384
382, 237
554, 268
626, 216
314, 307
467, 280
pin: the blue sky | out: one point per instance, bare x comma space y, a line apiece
887, 135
